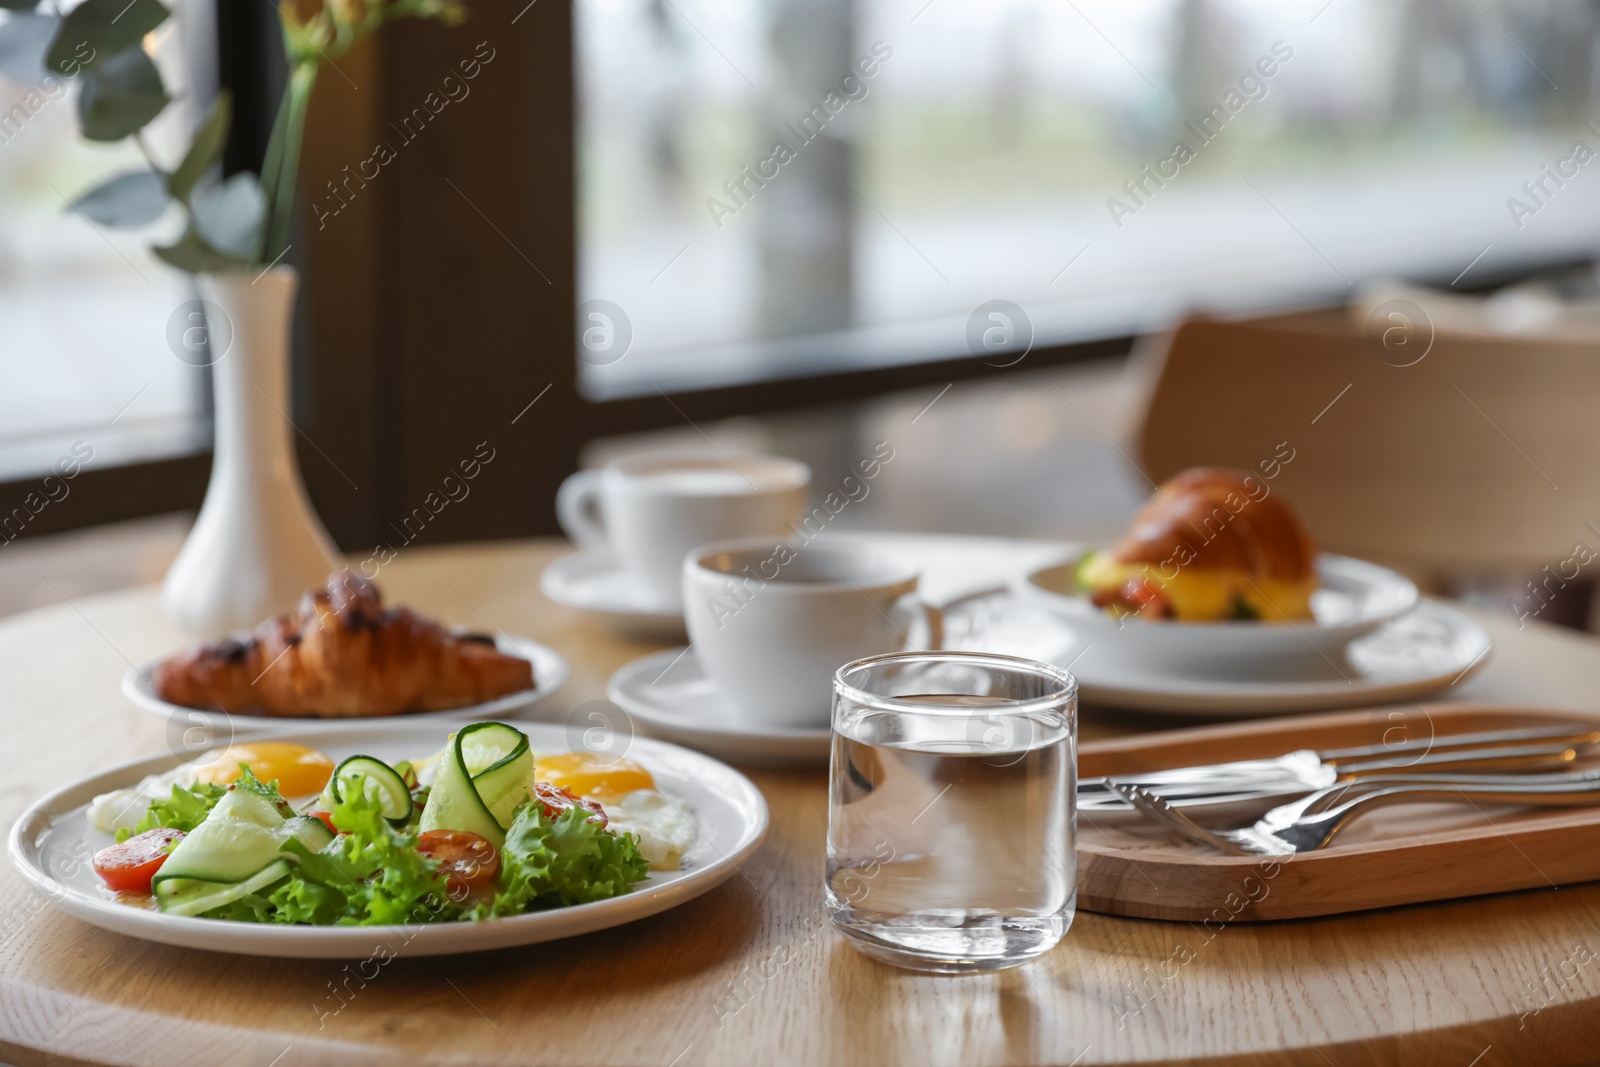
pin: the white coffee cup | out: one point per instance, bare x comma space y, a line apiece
651, 509
771, 620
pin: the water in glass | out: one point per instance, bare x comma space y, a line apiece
950, 838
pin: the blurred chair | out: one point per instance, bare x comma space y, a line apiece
1483, 456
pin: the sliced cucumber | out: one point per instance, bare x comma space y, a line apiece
242, 805
238, 838
311, 831
508, 781
183, 896
485, 746
454, 802
382, 782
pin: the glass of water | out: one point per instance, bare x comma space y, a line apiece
951, 808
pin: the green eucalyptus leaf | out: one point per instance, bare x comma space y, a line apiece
191, 253
229, 215
120, 96
24, 37
207, 146
19, 5
98, 30
131, 199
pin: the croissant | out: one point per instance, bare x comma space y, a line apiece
1211, 543
342, 654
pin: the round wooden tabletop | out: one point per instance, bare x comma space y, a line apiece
750, 972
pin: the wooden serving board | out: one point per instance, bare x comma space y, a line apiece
1399, 855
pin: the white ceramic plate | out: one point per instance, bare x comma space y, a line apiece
594, 581
670, 694
550, 673
1354, 598
52, 842
1429, 649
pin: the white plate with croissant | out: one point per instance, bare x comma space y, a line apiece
342, 657
1218, 568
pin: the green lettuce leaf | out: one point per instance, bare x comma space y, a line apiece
186, 808
555, 862
376, 873
296, 900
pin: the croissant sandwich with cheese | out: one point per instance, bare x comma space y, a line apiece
1212, 544
342, 654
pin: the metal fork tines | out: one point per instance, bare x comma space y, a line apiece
1302, 827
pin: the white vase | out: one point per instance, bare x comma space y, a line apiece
257, 545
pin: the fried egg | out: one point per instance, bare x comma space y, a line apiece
664, 826
298, 770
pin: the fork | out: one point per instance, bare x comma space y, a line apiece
1299, 827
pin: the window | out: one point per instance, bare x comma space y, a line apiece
806, 186
85, 311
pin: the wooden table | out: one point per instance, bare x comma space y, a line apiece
750, 972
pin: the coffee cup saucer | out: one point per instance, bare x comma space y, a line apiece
592, 580
669, 694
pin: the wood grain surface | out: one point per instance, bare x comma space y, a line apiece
750, 973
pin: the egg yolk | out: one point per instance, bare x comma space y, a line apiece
299, 771
590, 774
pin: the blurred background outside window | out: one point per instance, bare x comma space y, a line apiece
85, 310
1005, 151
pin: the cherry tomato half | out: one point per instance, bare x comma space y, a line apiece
467, 860
555, 799
129, 866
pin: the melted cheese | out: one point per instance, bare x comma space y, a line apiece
1206, 595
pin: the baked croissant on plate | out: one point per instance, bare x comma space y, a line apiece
1212, 544
342, 654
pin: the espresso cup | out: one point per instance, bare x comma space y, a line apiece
651, 509
771, 620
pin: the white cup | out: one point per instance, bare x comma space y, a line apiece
772, 620
651, 509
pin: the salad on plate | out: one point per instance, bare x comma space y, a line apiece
274, 832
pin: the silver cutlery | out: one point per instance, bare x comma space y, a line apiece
1257, 780
1304, 826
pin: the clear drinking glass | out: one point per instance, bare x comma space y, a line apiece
951, 809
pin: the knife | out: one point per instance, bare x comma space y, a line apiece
1302, 771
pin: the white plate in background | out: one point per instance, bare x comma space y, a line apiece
1353, 598
550, 674
592, 580
1431, 648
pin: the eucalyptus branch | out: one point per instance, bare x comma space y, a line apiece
240, 222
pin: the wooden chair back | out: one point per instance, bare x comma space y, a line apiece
1482, 454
